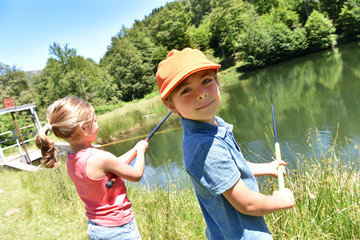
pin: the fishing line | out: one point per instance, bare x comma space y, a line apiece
137, 137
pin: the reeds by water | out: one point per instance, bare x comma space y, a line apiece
113, 125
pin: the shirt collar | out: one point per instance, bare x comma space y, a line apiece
196, 126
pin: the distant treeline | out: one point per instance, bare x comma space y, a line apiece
250, 34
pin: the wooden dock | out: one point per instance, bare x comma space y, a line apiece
13, 138
19, 162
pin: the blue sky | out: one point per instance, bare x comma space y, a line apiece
29, 27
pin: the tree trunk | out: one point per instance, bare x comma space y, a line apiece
222, 49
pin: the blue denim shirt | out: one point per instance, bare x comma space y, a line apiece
215, 163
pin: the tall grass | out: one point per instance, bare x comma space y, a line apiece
327, 191
115, 124
45, 205
167, 213
327, 202
41, 205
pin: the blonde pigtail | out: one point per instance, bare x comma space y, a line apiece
46, 146
64, 118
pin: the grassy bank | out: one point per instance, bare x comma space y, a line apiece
117, 123
45, 205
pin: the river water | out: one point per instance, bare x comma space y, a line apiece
316, 101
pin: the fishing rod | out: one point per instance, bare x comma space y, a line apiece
277, 147
111, 182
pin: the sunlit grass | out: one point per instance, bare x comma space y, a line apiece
327, 196
167, 213
327, 191
115, 124
42, 205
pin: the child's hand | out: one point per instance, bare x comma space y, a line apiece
286, 198
141, 146
274, 167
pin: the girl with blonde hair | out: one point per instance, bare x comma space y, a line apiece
108, 210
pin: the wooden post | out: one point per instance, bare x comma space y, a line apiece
37, 122
21, 139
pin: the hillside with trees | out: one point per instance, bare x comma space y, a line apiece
250, 34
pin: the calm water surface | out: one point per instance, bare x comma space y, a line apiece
316, 100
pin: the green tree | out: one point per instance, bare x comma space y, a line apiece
107, 91
264, 6
227, 22
320, 31
200, 37
272, 37
288, 36
332, 8
349, 19
67, 74
159, 54
304, 8
218, 30
199, 9
140, 37
64, 56
15, 85
168, 27
132, 75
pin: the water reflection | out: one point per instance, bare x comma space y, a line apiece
313, 95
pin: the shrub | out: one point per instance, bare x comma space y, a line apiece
349, 19
320, 31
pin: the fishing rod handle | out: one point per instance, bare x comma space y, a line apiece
280, 168
281, 177
112, 180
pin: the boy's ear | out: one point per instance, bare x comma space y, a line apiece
169, 105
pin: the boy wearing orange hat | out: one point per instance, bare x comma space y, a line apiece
224, 182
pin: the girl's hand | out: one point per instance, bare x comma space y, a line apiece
274, 167
141, 146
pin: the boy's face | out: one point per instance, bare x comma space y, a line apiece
196, 98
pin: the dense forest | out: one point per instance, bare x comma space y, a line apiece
251, 34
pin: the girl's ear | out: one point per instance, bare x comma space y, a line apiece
169, 105
82, 126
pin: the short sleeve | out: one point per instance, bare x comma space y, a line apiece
214, 167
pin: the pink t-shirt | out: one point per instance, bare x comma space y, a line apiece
106, 207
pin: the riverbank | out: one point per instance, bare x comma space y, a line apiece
45, 205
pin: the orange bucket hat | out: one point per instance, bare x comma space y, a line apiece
178, 65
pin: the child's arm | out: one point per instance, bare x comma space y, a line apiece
99, 166
262, 169
127, 155
253, 203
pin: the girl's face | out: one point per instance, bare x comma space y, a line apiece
95, 129
91, 130
197, 97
